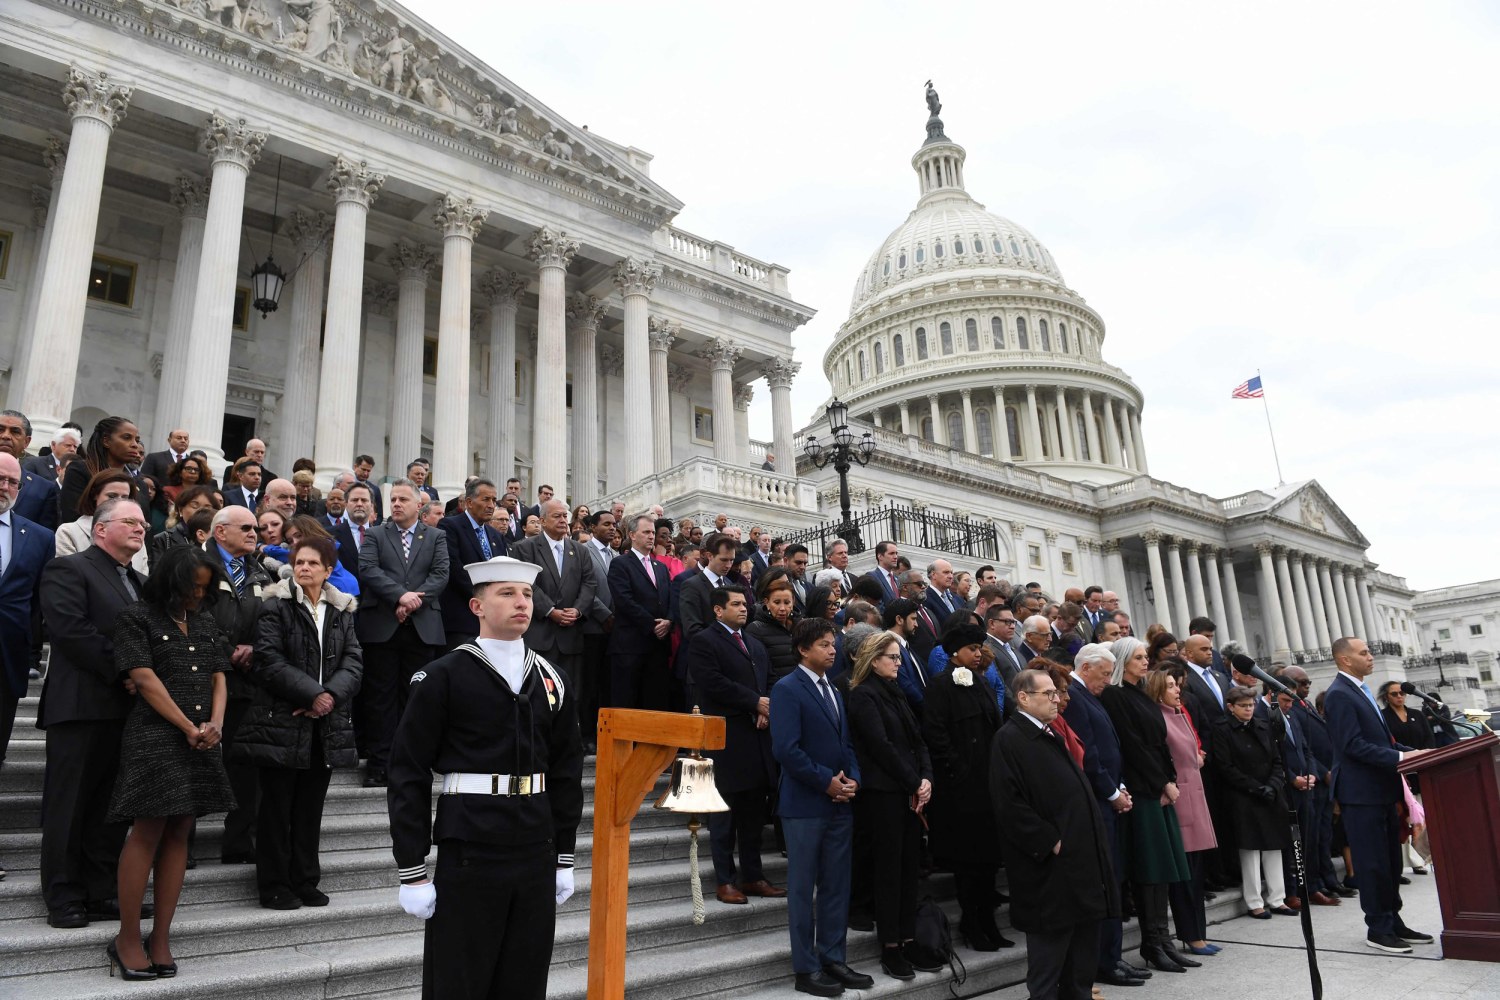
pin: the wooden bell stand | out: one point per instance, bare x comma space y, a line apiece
634, 748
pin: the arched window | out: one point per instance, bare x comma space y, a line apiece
945, 336
958, 247
1062, 338
901, 260
879, 358
864, 367
921, 254
956, 431
1023, 340
1043, 336
995, 242
898, 351
1013, 433
997, 332
1015, 248
848, 373
937, 249
887, 267
921, 343
971, 334
926, 428
1083, 435
986, 432
1029, 253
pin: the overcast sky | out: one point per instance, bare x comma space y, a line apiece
1304, 189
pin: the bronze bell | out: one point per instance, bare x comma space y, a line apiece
692, 789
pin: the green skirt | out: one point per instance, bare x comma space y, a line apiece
1151, 844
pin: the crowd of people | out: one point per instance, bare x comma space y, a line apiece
220, 645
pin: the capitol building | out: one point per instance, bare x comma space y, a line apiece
327, 225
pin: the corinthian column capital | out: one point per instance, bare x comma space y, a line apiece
636, 277
721, 353
780, 372
584, 310
500, 285
412, 259
93, 95
552, 248
227, 140
190, 196
457, 216
350, 181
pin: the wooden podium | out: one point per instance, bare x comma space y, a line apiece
1461, 796
634, 748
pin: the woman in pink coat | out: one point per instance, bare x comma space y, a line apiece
1192, 807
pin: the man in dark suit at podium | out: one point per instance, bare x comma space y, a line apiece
1368, 790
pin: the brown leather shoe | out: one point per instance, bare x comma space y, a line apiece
729, 894
762, 888
1323, 899
1294, 902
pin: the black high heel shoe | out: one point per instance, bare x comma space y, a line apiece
1175, 956
162, 971
127, 974
1159, 960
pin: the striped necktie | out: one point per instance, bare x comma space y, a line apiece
237, 576
406, 544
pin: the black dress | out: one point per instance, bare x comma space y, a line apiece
160, 775
1415, 732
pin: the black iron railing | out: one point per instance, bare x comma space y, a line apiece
906, 526
1384, 647
1441, 659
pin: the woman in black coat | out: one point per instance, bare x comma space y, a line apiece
897, 783
772, 625
960, 717
1247, 760
308, 663
1151, 852
1410, 729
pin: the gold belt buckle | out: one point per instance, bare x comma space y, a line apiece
523, 784
494, 784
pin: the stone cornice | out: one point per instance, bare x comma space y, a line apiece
767, 309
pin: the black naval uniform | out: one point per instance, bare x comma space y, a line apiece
491, 933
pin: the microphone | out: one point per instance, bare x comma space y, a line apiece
1407, 687
1260, 674
1439, 710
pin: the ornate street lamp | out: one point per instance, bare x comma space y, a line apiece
843, 452
267, 279
1437, 657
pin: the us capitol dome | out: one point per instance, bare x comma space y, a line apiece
963, 332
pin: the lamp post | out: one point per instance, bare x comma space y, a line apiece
841, 453
1437, 657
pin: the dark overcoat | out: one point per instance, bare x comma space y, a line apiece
959, 725
730, 682
1246, 760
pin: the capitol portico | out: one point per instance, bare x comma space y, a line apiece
459, 257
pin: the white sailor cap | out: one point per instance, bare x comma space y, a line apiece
502, 569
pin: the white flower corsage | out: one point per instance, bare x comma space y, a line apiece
963, 677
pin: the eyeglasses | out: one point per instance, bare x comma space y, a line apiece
246, 527
10, 481
1051, 695
889, 656
134, 522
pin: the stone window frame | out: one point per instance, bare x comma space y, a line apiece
1069, 564
135, 273
1034, 556
7, 240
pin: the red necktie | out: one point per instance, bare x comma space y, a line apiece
361, 534
928, 619
894, 589
739, 639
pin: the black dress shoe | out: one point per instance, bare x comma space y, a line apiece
281, 901
843, 974
819, 984
1405, 880
1133, 971
375, 777
1344, 892
69, 917
1159, 960
1177, 957
312, 897
1112, 977
895, 965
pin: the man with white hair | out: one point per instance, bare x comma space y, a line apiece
64, 445
255, 450
837, 557
1104, 767
1036, 637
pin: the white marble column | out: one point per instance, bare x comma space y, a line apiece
1335, 619
1315, 599
1304, 605
1140, 442
1091, 428
721, 355
1356, 612
553, 250
353, 185
1289, 613
971, 433
584, 313
459, 220
96, 105
413, 264
1127, 440
190, 198
1367, 607
935, 414
1065, 426
1002, 428
635, 279
1341, 599
779, 374
43, 211
1035, 452
1114, 564
1197, 602
905, 408
1235, 622
1158, 579
876, 417
1111, 433
744, 395
612, 406
663, 333
308, 233
503, 290
1270, 602
1210, 555
234, 148
1180, 612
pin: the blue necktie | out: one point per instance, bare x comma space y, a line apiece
237, 576
833, 706
484, 542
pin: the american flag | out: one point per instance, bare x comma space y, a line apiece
1248, 390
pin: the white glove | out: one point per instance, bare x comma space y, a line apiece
419, 900
564, 885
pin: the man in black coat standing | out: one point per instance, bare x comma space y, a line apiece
1061, 882
730, 672
638, 645
470, 540
83, 708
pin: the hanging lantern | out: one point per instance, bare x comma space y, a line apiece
266, 283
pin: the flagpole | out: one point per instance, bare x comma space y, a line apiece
1280, 481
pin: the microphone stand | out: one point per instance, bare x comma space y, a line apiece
1299, 866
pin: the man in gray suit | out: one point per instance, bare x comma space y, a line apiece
596, 626
1000, 629
403, 568
563, 596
